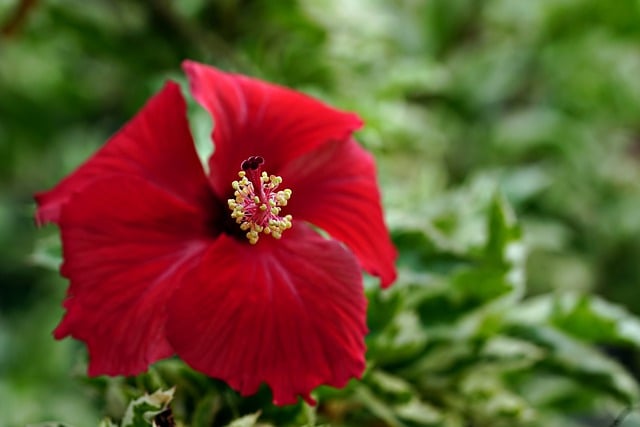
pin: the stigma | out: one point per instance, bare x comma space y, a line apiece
258, 202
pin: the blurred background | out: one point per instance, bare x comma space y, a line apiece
507, 135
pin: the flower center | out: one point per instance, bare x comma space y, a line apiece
258, 202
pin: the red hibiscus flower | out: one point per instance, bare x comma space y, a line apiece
227, 270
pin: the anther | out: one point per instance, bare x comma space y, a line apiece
258, 202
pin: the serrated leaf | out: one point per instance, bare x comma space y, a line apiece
487, 394
493, 273
574, 359
403, 339
441, 358
593, 319
512, 353
467, 291
427, 250
532, 310
503, 228
475, 286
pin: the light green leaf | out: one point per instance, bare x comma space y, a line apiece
512, 353
245, 421
377, 406
47, 252
503, 231
418, 412
141, 411
392, 387
593, 319
201, 127
402, 339
441, 358
489, 397
574, 359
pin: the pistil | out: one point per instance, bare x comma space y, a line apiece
258, 202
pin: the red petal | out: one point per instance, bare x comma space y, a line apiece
155, 145
254, 118
335, 189
127, 245
289, 312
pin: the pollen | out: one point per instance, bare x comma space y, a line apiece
258, 203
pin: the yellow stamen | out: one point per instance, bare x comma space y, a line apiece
257, 209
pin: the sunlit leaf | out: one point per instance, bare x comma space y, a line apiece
591, 318
47, 252
245, 421
141, 411
419, 412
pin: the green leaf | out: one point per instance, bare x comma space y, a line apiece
574, 359
441, 359
512, 353
383, 307
377, 406
489, 398
493, 272
141, 411
201, 126
245, 421
593, 319
56, 424
402, 339
205, 410
503, 231
48, 252
392, 387
427, 250
418, 412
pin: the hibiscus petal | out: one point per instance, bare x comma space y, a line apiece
255, 118
155, 145
335, 189
127, 244
289, 312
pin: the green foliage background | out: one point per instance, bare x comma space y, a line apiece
507, 135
